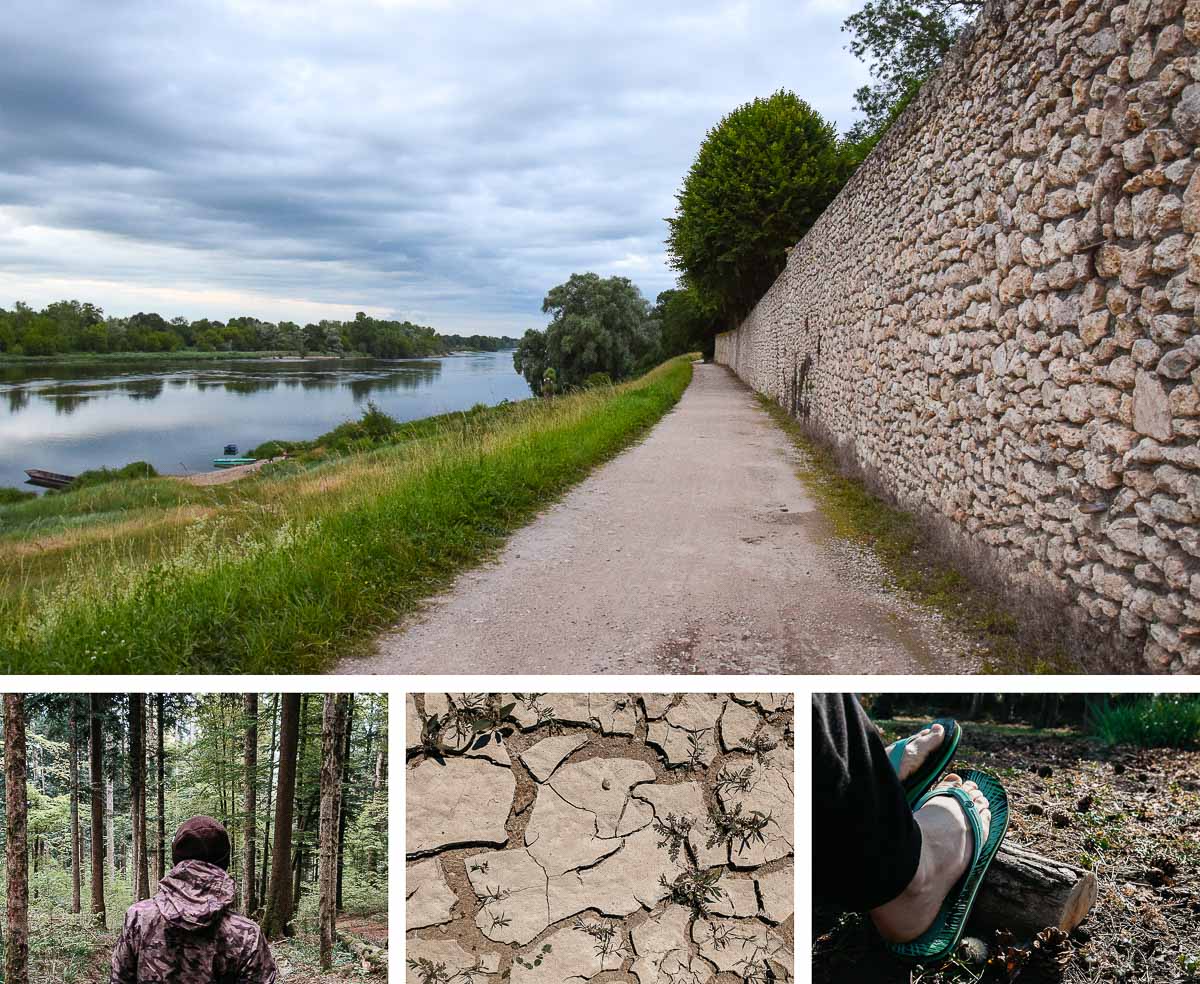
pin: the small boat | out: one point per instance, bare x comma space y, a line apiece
230, 450
48, 479
232, 462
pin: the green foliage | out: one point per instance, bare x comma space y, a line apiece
1158, 721
763, 175
696, 889
598, 379
100, 476
596, 326
73, 327
904, 42
687, 322
9, 495
729, 825
673, 832
285, 578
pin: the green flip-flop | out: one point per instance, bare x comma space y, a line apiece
930, 771
941, 939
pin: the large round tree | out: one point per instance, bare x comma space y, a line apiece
596, 325
761, 178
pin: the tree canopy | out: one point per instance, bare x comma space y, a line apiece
597, 325
762, 176
904, 42
72, 326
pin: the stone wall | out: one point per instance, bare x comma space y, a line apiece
997, 315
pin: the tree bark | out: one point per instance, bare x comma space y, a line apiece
96, 763
161, 853
137, 796
332, 748
266, 851
250, 780
343, 783
16, 848
299, 812
278, 900
1025, 892
76, 859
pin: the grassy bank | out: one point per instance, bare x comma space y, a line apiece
283, 571
915, 564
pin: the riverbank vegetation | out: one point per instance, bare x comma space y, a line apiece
287, 569
96, 785
71, 327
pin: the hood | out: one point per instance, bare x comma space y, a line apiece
194, 895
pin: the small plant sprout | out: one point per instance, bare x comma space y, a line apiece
696, 750
609, 941
761, 744
490, 895
734, 780
537, 960
481, 867
696, 889
674, 833
429, 972
545, 714
734, 825
502, 920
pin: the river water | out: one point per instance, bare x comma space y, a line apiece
179, 415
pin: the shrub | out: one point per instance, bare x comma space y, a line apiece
9, 495
597, 379
99, 476
1159, 721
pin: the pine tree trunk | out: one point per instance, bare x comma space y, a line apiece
16, 848
112, 839
343, 784
250, 781
137, 796
332, 747
76, 860
278, 899
96, 766
162, 800
267, 814
376, 788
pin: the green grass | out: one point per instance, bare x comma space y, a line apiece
897, 539
282, 572
1157, 721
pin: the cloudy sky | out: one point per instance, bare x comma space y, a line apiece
439, 161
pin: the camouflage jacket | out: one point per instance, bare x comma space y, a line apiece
186, 934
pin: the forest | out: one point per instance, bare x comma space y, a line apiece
95, 786
66, 327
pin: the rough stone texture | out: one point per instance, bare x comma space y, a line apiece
581, 851
464, 801
543, 758
428, 900
996, 317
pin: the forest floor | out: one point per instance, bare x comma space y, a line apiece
1130, 815
699, 549
62, 952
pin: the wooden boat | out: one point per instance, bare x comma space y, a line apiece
48, 479
232, 462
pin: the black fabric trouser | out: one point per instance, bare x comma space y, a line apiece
866, 844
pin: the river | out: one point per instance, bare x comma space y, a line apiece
178, 415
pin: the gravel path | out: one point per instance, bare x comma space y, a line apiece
697, 551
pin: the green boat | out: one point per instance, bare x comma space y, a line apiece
231, 462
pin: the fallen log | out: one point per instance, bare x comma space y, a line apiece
372, 957
1025, 892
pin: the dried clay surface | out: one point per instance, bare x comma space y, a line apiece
638, 838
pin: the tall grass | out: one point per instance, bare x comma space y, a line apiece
294, 568
1158, 721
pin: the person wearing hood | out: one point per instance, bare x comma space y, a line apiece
188, 932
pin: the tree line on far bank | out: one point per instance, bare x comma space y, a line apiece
762, 176
95, 786
66, 327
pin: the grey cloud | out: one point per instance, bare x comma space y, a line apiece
450, 159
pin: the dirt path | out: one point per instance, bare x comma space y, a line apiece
697, 551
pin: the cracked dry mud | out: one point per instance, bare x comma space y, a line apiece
543, 858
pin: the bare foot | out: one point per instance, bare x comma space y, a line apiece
947, 848
917, 750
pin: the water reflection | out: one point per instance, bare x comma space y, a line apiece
68, 418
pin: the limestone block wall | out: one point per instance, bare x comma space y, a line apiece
997, 315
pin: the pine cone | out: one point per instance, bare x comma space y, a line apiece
1050, 954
